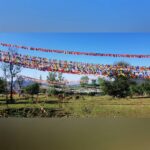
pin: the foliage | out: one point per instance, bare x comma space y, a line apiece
146, 87
100, 81
136, 90
33, 89
60, 77
94, 84
2, 86
122, 86
84, 81
10, 71
52, 76
119, 88
141, 89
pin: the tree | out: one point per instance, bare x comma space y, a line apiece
12, 71
52, 77
146, 87
4, 69
2, 86
117, 73
119, 88
100, 81
84, 81
94, 83
33, 89
60, 77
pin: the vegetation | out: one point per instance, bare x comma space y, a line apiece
10, 72
119, 88
2, 86
33, 89
78, 101
141, 89
84, 81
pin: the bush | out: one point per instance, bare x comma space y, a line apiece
32, 89
146, 88
119, 88
141, 89
136, 90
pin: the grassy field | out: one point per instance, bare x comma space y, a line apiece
87, 106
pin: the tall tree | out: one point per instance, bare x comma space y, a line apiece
11, 71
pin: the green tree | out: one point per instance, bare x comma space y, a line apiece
33, 89
2, 86
52, 76
60, 77
11, 72
100, 81
84, 81
140, 89
119, 88
146, 87
94, 84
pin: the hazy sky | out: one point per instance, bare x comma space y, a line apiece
123, 43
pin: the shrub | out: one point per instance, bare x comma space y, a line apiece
33, 89
119, 88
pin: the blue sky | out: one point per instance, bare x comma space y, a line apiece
75, 15
123, 43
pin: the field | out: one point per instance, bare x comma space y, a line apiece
83, 107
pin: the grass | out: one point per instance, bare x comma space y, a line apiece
91, 106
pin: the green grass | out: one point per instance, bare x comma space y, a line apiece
96, 106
